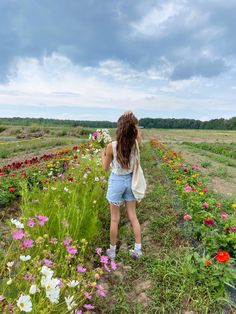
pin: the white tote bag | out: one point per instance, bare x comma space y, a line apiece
138, 185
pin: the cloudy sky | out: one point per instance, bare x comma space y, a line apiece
93, 59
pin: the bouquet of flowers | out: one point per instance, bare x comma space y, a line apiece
101, 136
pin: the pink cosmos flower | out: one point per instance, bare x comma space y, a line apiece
89, 306
17, 234
78, 312
47, 262
71, 249
60, 283
224, 215
67, 241
81, 269
205, 205
187, 217
101, 291
29, 277
113, 265
98, 250
104, 259
87, 295
31, 222
188, 188
42, 219
28, 243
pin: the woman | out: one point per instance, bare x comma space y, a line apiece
121, 154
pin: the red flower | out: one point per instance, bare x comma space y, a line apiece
1, 173
205, 190
222, 256
218, 204
11, 190
13, 175
208, 221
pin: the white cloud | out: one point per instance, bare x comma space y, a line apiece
54, 80
154, 22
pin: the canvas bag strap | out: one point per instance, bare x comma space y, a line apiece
138, 153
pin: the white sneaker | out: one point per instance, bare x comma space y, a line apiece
111, 253
136, 254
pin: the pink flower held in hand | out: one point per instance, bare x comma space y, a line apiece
188, 188
205, 205
28, 243
81, 269
224, 215
187, 217
17, 234
71, 249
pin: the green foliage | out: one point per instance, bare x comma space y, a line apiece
225, 149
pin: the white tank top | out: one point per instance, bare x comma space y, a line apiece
116, 167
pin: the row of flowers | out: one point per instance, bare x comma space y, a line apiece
209, 220
34, 170
49, 266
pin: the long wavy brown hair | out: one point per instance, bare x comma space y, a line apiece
126, 134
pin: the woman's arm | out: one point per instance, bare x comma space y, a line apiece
139, 137
107, 157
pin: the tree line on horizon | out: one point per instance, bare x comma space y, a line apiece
160, 123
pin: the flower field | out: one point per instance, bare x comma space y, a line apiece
52, 264
207, 221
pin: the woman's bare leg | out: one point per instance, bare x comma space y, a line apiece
131, 211
115, 219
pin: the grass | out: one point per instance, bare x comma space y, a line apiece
225, 149
221, 172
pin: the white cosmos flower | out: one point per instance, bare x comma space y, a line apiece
73, 283
69, 302
66, 189
24, 303
53, 294
47, 271
25, 258
33, 289
9, 282
10, 264
17, 223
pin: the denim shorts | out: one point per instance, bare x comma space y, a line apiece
119, 189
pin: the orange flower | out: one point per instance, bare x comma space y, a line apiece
222, 256
208, 262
